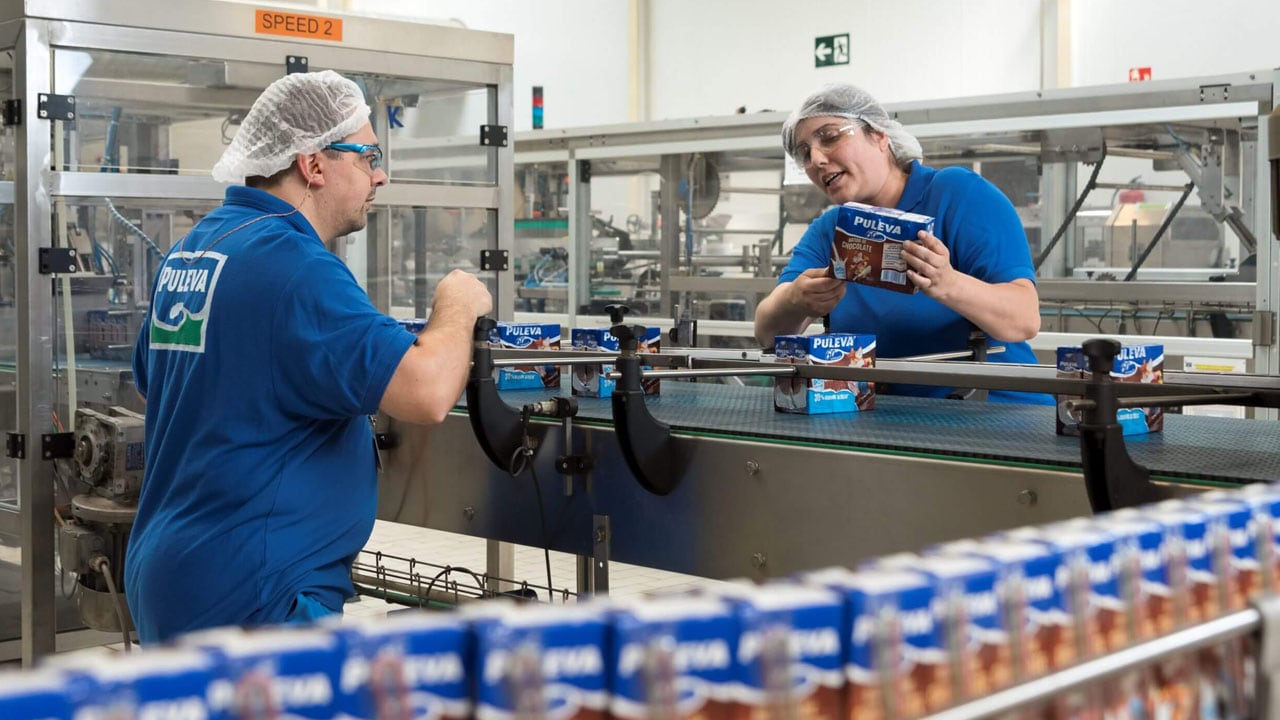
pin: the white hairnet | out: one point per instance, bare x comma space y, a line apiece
848, 101
297, 114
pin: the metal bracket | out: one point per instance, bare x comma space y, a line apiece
11, 113
57, 445
56, 107
496, 260
295, 64
493, 135
1085, 145
16, 445
601, 538
574, 464
1264, 328
57, 260
1215, 93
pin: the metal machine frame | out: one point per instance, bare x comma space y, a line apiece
211, 31
1057, 125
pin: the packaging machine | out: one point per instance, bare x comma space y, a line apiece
114, 116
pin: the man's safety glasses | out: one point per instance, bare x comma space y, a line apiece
372, 154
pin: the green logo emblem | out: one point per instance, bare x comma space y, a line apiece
183, 299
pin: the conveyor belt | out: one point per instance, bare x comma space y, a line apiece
1190, 447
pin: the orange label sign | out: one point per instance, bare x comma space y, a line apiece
312, 27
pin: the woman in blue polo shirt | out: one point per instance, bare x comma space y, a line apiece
976, 267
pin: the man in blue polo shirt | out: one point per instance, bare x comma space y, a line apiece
261, 360
976, 267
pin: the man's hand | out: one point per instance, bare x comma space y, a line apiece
465, 291
816, 292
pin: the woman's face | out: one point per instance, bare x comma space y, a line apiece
853, 165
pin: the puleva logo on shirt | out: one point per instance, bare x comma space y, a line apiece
183, 299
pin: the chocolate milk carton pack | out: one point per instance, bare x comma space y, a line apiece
590, 380
1234, 557
1142, 551
967, 606
527, 336
34, 695
1232, 548
545, 661
790, 660
1190, 556
867, 245
1089, 580
164, 683
673, 658
1264, 503
1134, 364
409, 665
278, 671
896, 655
818, 396
1036, 615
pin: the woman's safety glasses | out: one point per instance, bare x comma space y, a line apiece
825, 137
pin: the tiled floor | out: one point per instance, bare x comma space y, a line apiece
442, 548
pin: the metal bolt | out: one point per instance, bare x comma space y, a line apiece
1027, 497
753, 467
599, 536
469, 512
759, 560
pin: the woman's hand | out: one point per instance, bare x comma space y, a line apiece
816, 292
929, 267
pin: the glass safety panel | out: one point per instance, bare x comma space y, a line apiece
138, 113
431, 129
427, 243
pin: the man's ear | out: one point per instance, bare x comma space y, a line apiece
311, 168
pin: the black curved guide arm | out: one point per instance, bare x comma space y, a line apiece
646, 442
1112, 479
497, 426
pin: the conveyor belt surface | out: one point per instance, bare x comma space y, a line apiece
1190, 447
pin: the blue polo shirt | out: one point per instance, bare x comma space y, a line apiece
984, 235
260, 359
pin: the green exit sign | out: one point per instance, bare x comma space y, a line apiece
831, 50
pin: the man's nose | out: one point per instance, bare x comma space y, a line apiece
380, 177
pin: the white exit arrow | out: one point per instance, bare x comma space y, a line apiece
822, 51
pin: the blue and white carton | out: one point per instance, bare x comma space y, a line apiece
818, 396
590, 380
1134, 364
527, 336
